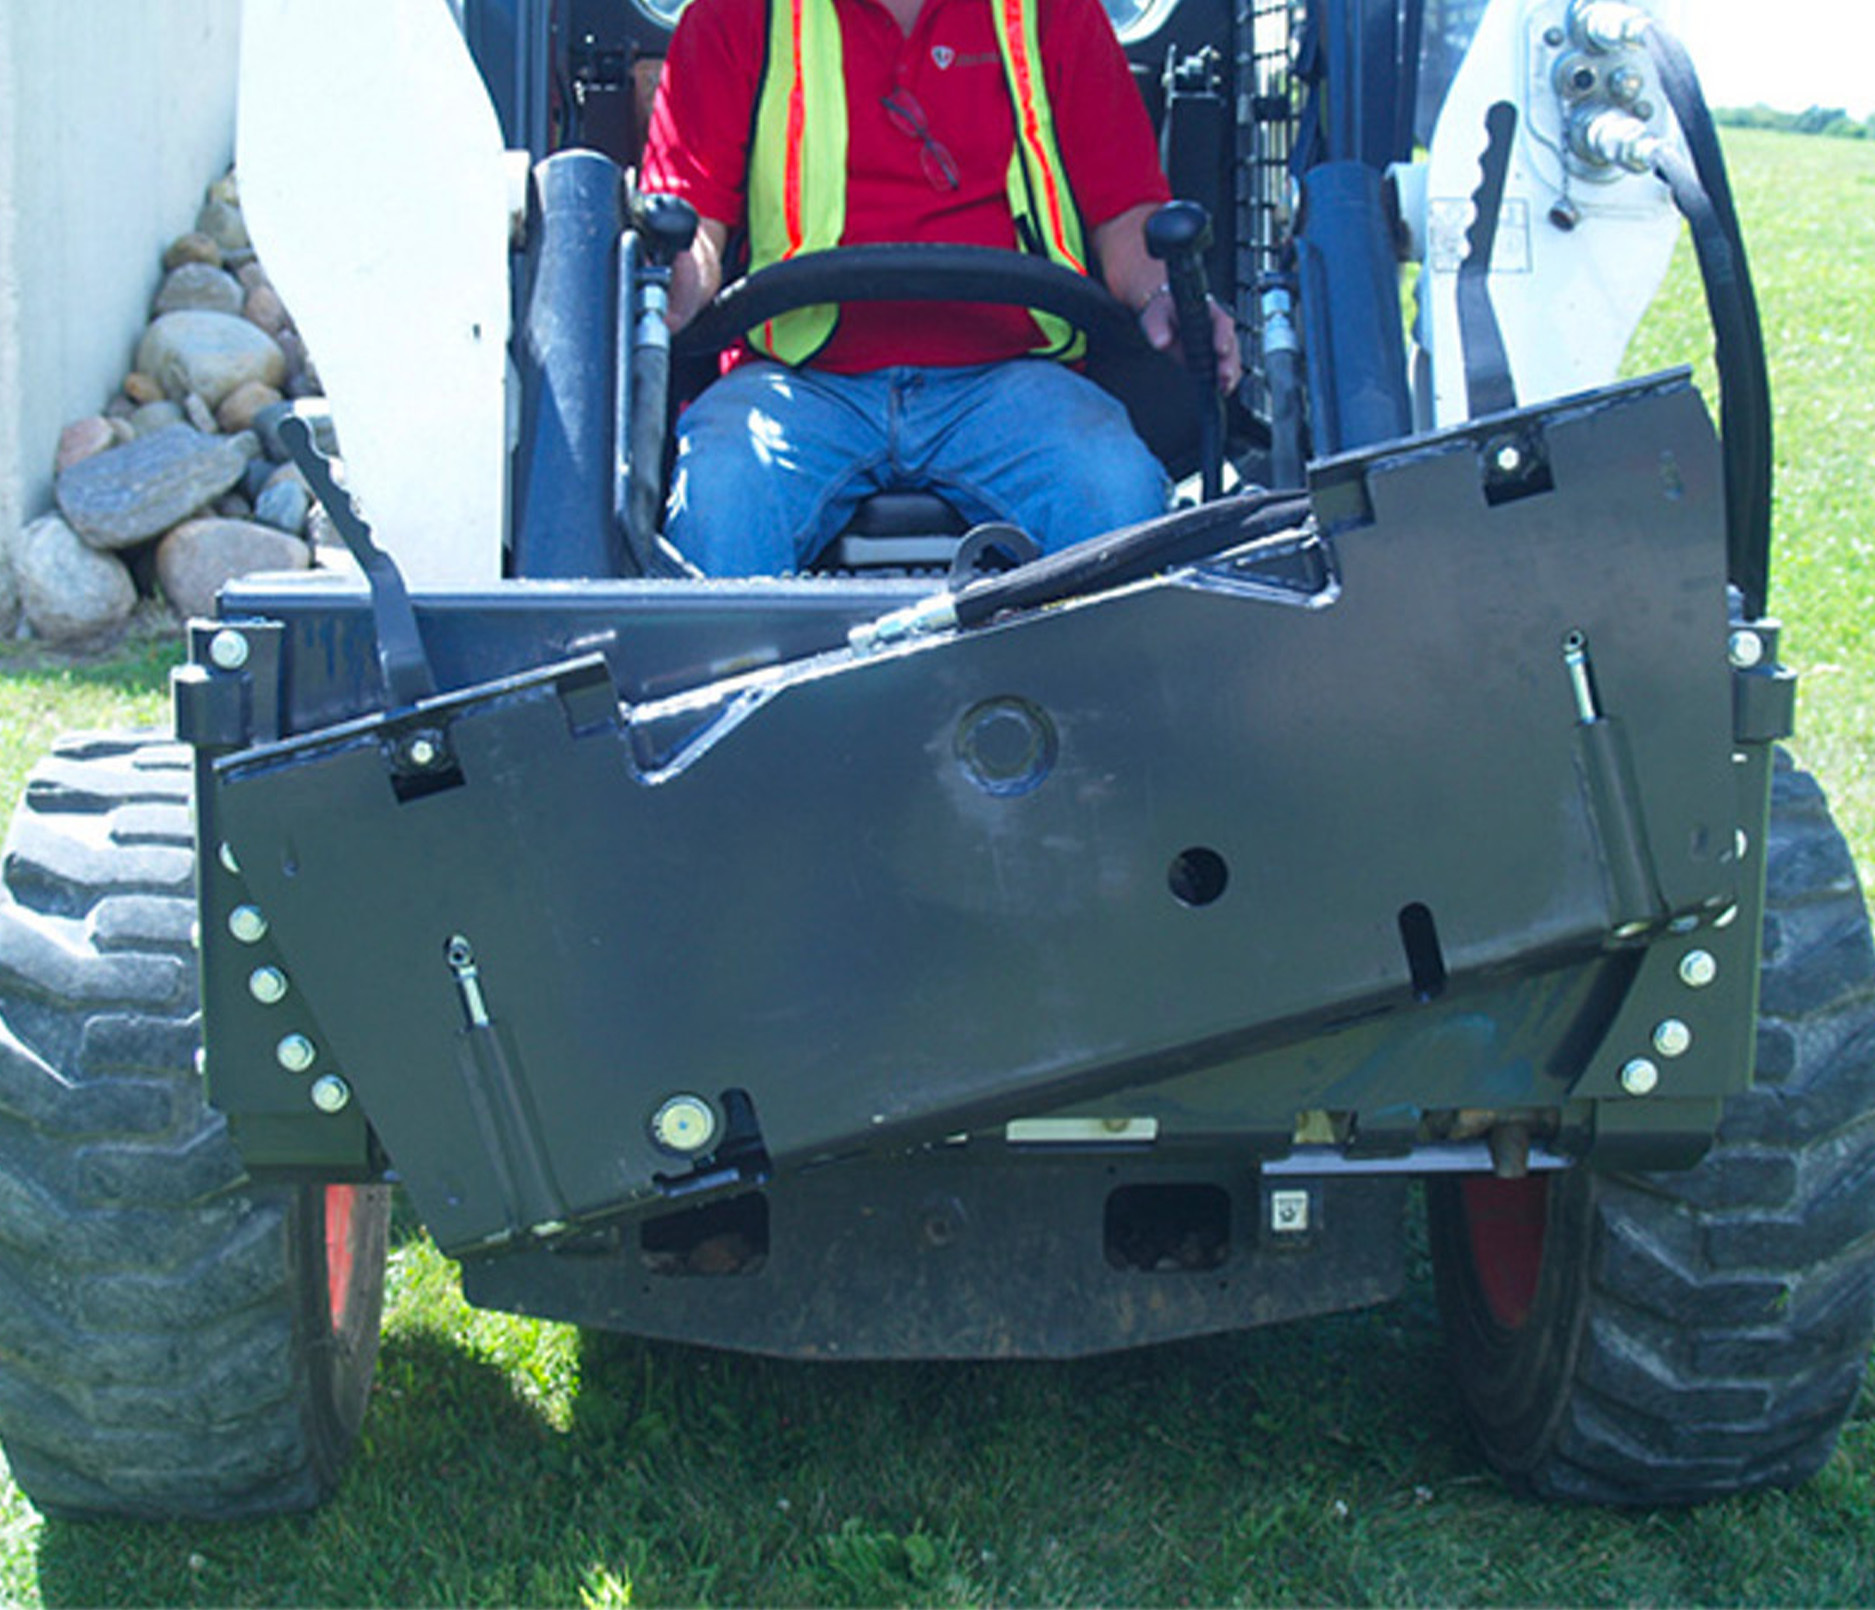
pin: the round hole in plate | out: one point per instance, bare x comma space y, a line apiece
1197, 876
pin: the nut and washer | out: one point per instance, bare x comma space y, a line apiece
1639, 1077
296, 1053
247, 924
228, 649
1745, 649
1698, 968
330, 1093
684, 1123
267, 985
1672, 1038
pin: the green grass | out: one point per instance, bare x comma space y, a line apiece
515, 1462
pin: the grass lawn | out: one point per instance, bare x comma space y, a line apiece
515, 1462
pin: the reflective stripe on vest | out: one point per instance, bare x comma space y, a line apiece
797, 164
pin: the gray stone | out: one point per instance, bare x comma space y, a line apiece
209, 354
198, 286
226, 189
152, 417
198, 414
200, 557
9, 593
194, 247
264, 308
285, 505
70, 593
129, 494
254, 478
239, 407
81, 439
223, 225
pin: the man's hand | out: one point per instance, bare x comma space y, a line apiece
697, 275
1138, 279
1160, 322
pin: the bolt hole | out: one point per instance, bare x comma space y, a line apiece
1197, 876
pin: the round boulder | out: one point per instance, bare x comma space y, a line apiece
70, 593
198, 286
200, 557
209, 354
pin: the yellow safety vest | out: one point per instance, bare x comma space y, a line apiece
797, 164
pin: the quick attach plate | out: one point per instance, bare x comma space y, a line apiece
865, 901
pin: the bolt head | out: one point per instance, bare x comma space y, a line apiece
685, 1124
330, 1093
267, 985
228, 649
1672, 1038
1639, 1077
225, 855
247, 924
296, 1053
1508, 459
1698, 968
1745, 649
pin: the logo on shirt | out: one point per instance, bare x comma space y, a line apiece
945, 57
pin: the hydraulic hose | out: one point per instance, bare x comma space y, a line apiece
1703, 194
1129, 554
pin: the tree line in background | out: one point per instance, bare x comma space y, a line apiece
1831, 120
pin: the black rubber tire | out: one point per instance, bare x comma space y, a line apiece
167, 1337
1702, 1333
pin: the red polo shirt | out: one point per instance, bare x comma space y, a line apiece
951, 66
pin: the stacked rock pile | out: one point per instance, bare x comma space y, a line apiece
181, 482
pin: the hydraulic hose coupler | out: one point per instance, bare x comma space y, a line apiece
1614, 139
1607, 24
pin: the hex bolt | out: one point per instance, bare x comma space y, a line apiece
228, 649
1698, 968
1745, 649
1639, 1077
247, 924
267, 985
296, 1053
330, 1093
421, 751
1672, 1038
1508, 459
684, 1123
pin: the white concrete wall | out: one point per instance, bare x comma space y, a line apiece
114, 115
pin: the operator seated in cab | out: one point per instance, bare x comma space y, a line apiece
801, 125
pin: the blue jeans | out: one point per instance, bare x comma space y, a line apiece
772, 461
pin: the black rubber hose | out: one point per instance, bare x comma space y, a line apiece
1131, 554
1703, 194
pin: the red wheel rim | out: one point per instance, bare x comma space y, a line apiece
341, 1206
1508, 1221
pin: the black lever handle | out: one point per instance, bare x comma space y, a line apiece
1178, 235
666, 224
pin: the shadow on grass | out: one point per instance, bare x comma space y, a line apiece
692, 1476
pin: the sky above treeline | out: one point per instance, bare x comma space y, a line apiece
1790, 54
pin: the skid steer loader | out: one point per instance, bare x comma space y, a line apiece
919, 958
